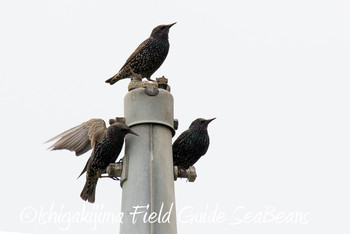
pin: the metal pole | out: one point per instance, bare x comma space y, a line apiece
148, 198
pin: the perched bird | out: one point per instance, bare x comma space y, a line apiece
191, 144
105, 153
147, 58
93, 134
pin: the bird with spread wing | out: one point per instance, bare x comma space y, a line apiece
105, 142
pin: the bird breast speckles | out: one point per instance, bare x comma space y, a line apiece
151, 58
106, 153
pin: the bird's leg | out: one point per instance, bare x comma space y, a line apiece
149, 79
135, 76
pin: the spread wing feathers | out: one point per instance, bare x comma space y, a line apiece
80, 138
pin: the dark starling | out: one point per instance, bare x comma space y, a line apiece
92, 134
147, 58
191, 144
105, 153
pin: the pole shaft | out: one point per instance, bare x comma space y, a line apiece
148, 198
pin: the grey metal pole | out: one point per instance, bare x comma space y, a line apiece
148, 197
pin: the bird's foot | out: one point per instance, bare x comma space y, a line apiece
149, 79
113, 178
136, 76
136, 79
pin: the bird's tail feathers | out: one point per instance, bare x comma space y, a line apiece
114, 79
89, 189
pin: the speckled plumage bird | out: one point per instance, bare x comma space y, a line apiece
92, 134
147, 58
191, 144
105, 153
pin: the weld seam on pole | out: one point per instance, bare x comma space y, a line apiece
151, 172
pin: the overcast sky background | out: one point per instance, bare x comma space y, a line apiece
274, 73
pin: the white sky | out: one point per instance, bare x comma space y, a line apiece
274, 73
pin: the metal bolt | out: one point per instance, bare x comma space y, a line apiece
190, 173
114, 170
116, 119
151, 90
176, 124
163, 83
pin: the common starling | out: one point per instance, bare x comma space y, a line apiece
191, 144
105, 153
105, 142
147, 58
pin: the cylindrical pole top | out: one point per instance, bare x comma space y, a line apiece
140, 108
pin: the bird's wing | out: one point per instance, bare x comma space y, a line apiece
86, 165
97, 131
80, 138
137, 51
179, 145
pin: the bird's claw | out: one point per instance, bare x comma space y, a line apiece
112, 177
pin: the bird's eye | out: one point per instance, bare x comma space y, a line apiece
202, 121
162, 28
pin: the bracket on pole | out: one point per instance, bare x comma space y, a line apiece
117, 119
190, 173
114, 170
161, 83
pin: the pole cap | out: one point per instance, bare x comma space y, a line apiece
141, 108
